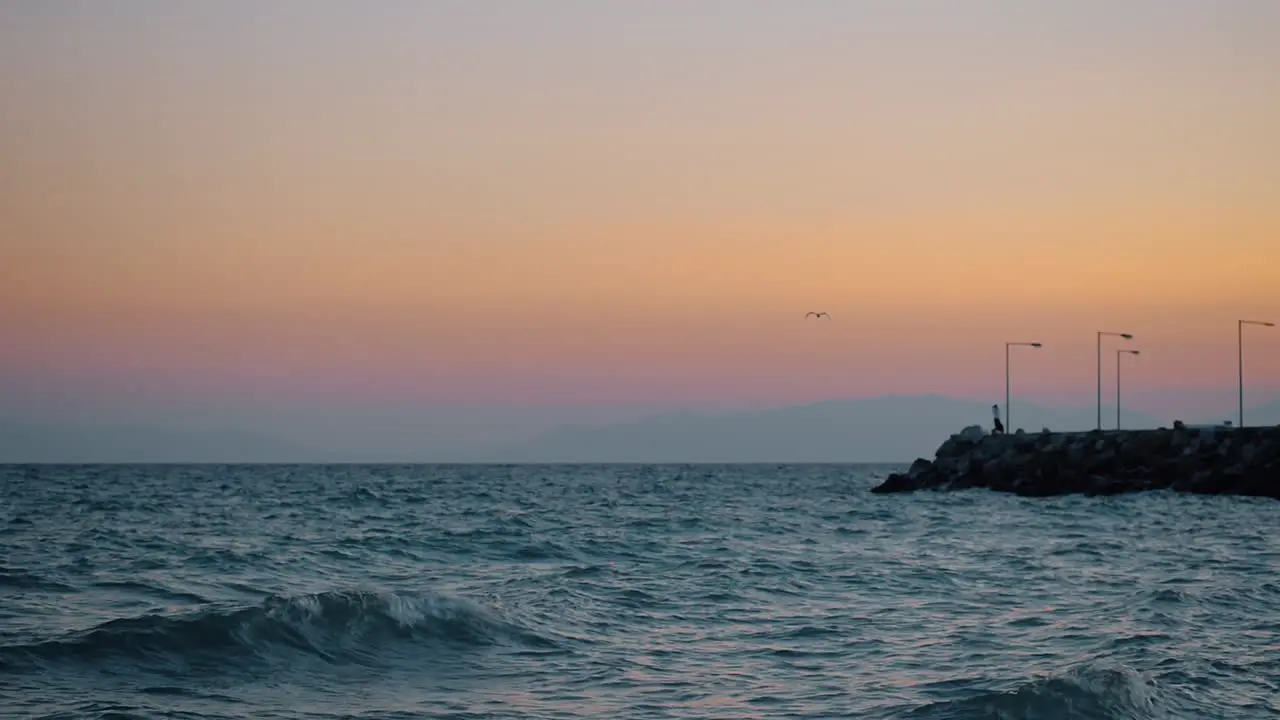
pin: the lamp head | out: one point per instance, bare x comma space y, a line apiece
1126, 336
1035, 344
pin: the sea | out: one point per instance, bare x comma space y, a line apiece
623, 591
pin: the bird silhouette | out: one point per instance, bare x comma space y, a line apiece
817, 315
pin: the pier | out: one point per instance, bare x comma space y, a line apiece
1207, 460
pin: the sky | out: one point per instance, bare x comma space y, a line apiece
512, 207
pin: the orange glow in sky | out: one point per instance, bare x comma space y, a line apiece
491, 202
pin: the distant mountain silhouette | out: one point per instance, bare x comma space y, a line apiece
32, 443
888, 429
1265, 414
893, 429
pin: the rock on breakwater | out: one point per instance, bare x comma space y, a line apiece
1208, 460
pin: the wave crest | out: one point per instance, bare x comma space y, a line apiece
1115, 693
340, 627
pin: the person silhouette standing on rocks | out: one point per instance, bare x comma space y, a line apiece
999, 426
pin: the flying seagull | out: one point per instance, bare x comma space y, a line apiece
817, 315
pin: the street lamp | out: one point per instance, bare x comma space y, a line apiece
1126, 336
1118, 354
1240, 355
1007, 416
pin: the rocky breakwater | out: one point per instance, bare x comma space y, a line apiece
1208, 460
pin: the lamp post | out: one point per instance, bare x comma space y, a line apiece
1240, 355
1126, 336
1118, 354
1007, 416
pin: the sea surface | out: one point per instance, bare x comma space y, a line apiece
623, 592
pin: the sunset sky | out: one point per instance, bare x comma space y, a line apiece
489, 203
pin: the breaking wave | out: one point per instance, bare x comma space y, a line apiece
339, 627
1105, 693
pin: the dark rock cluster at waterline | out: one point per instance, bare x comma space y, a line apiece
1217, 461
